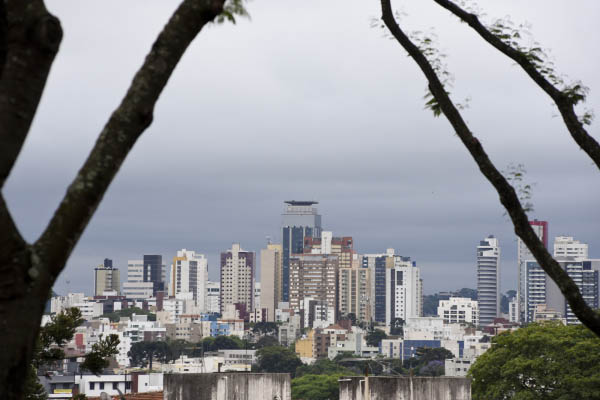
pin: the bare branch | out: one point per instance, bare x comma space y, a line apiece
563, 101
32, 39
507, 194
118, 136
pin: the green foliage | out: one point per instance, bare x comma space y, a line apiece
542, 361
128, 312
97, 359
33, 388
54, 335
429, 361
143, 354
265, 328
277, 359
267, 341
323, 366
375, 336
231, 10
515, 174
316, 387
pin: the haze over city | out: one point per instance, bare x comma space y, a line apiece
277, 108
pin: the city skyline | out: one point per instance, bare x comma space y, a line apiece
333, 115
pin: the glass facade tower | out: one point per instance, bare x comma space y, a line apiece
300, 219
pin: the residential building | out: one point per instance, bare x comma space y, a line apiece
404, 294
488, 279
189, 274
212, 300
271, 260
237, 277
566, 246
106, 278
59, 303
523, 254
541, 290
327, 244
514, 310
313, 276
378, 264
300, 220
145, 277
354, 290
257, 296
459, 310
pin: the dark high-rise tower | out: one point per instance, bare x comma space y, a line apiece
154, 271
300, 219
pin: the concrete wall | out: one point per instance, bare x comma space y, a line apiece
405, 388
227, 386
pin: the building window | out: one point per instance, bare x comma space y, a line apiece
91, 385
101, 385
115, 385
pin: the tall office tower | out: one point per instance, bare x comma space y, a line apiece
543, 290
566, 246
237, 278
378, 264
154, 271
403, 297
138, 286
106, 278
189, 274
523, 254
488, 280
313, 276
270, 278
354, 288
300, 219
212, 300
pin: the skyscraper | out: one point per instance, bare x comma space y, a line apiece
314, 276
523, 255
270, 278
106, 278
378, 264
237, 278
154, 271
300, 220
189, 274
404, 292
488, 280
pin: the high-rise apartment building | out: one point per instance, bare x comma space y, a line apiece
488, 280
300, 220
378, 264
523, 254
459, 310
144, 277
566, 246
404, 291
327, 244
313, 276
106, 278
212, 299
354, 290
271, 278
541, 290
189, 274
237, 278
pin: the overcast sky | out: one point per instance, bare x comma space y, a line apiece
307, 101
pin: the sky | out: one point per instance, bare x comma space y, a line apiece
307, 100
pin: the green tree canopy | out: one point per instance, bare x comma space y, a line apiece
277, 359
267, 341
375, 336
128, 312
542, 361
323, 366
316, 387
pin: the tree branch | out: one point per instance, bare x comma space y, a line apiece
507, 194
31, 42
118, 136
564, 103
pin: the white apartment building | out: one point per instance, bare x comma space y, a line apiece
523, 254
237, 277
135, 287
404, 292
189, 274
257, 295
566, 246
488, 280
212, 301
59, 303
459, 310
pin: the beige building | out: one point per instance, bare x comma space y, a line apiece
106, 278
313, 276
237, 278
271, 260
354, 290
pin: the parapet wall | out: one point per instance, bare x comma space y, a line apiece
405, 388
227, 386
